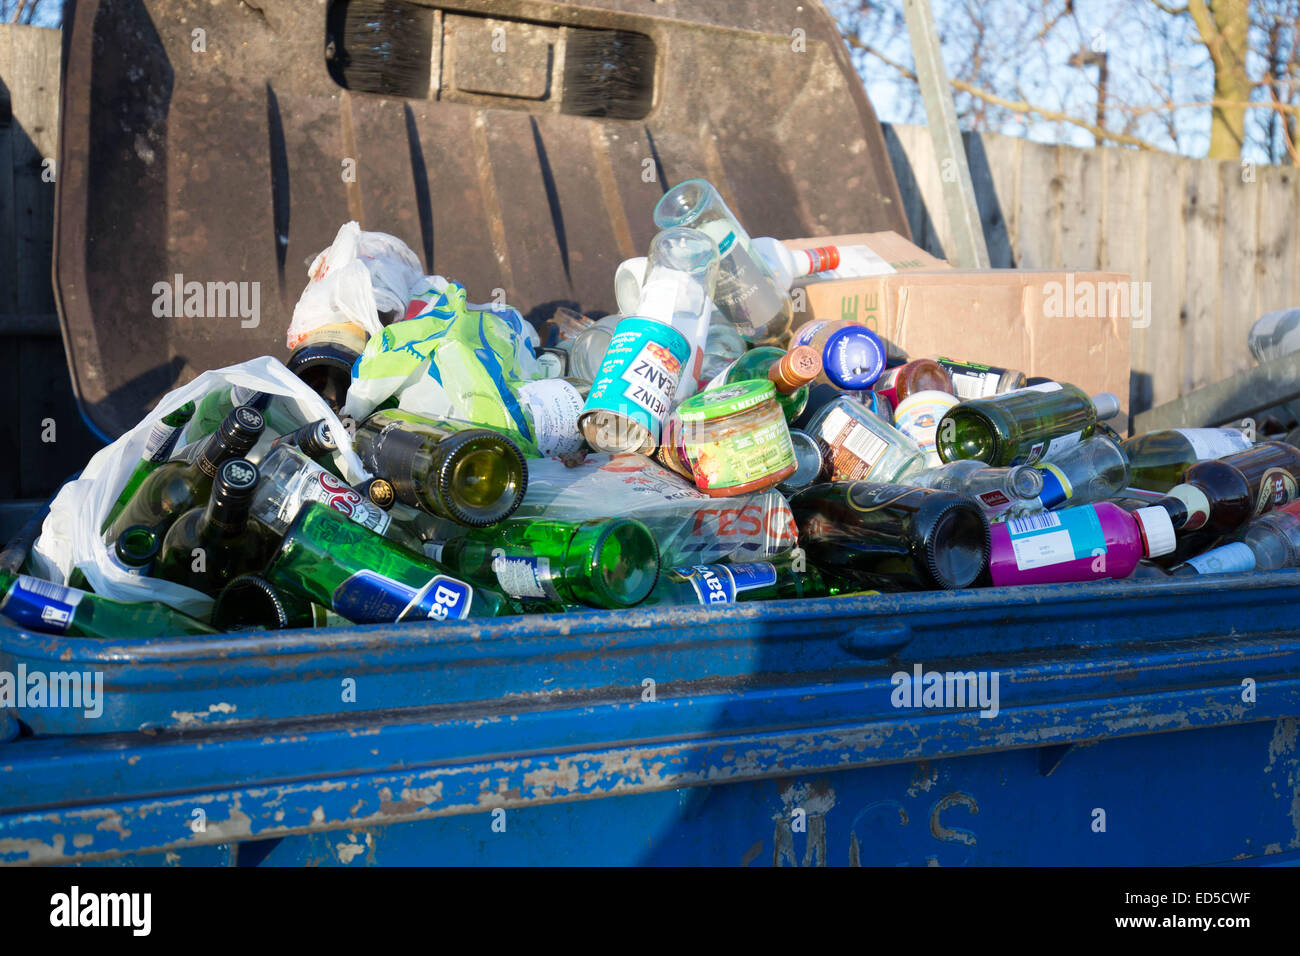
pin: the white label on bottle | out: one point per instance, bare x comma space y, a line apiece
856, 262
658, 300
1062, 443
842, 431
528, 578
158, 446
434, 549
313, 483
1214, 442
970, 385
1039, 550
1228, 559
554, 405
805, 334
1042, 387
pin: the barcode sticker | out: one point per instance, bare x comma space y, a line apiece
1033, 523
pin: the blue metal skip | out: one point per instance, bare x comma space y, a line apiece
1134, 724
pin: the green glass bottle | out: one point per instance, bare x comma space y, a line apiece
1158, 459
330, 560
158, 448
178, 486
711, 584
220, 402
1024, 426
791, 372
608, 563
42, 606
135, 551
474, 476
210, 544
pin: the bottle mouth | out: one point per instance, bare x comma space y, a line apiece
138, 545
682, 204
327, 371
957, 549
1026, 482
973, 436
249, 603
483, 478
613, 563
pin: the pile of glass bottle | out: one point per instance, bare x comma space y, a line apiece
926, 474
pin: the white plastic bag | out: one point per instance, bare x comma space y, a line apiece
359, 276
70, 535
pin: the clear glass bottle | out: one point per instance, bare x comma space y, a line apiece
747, 291
859, 445
996, 490
973, 380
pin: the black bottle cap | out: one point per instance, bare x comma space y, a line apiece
316, 439
240, 430
379, 492
232, 490
249, 603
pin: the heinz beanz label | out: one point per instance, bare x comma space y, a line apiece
639, 373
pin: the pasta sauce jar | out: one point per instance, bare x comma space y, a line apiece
736, 439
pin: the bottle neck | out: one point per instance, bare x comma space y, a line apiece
224, 517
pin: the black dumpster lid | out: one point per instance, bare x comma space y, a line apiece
216, 145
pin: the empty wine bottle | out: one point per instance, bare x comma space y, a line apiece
995, 490
1158, 459
605, 563
1024, 426
329, 560
210, 544
315, 440
714, 584
1222, 494
250, 603
790, 372
158, 448
178, 486
43, 606
892, 536
1086, 543
472, 476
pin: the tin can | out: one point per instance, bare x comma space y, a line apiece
633, 388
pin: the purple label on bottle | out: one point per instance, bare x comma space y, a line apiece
368, 597
39, 604
720, 583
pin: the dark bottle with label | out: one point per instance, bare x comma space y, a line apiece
328, 559
472, 476
315, 440
209, 545
1222, 494
178, 486
892, 536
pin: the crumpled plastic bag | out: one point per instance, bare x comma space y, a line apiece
449, 359
360, 276
70, 535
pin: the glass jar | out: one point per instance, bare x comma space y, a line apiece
736, 439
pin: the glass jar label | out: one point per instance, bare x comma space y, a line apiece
741, 456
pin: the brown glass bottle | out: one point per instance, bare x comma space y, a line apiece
1222, 494
920, 375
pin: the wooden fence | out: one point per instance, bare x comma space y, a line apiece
1215, 239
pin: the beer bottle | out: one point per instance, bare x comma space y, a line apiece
43, 606
135, 551
606, 563
329, 560
1222, 494
1158, 459
713, 584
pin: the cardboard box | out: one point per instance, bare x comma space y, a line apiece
1069, 326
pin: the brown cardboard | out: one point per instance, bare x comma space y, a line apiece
1069, 326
